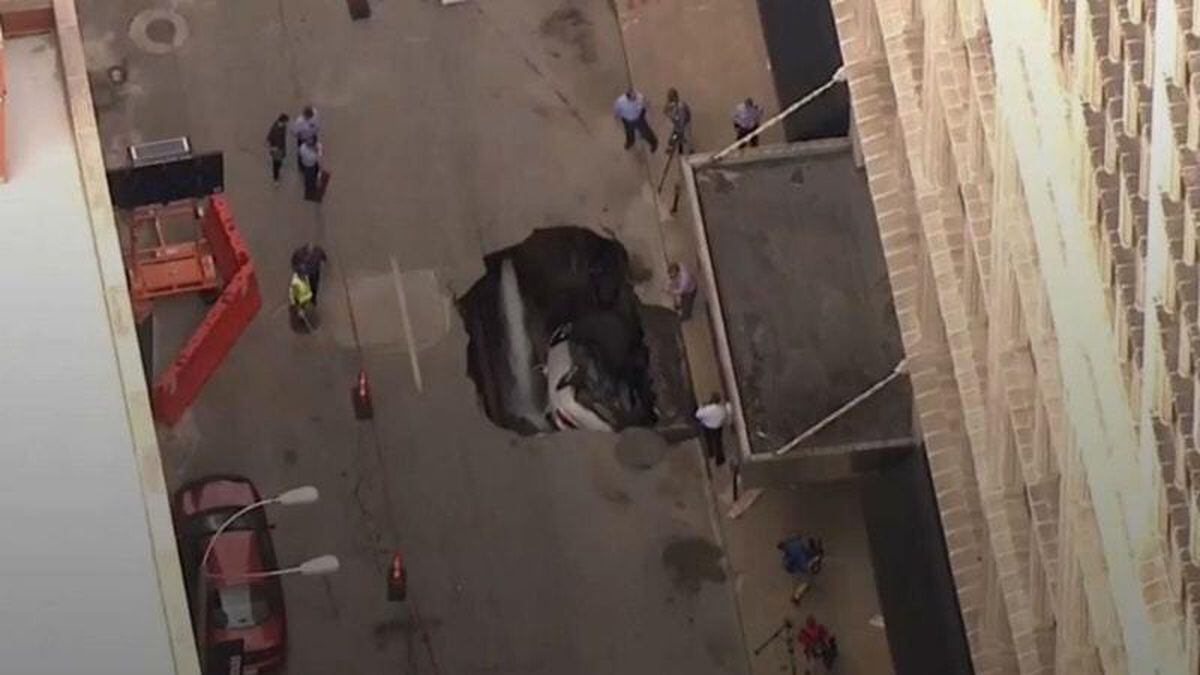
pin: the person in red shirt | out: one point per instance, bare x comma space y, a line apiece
817, 641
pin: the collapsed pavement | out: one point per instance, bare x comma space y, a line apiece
571, 285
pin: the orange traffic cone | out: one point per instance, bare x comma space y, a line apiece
360, 394
397, 579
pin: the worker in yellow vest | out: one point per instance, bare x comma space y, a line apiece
300, 299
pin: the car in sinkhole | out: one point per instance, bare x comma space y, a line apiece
598, 385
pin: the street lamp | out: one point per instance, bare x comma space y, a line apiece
325, 564
322, 564
302, 495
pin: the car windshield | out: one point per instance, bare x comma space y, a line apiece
238, 607
207, 523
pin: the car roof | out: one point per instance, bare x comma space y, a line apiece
213, 492
235, 554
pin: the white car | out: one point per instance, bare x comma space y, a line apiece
564, 410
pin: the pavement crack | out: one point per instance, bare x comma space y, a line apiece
514, 47
374, 534
574, 112
293, 72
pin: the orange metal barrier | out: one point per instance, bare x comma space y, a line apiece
228, 248
233, 311
17, 23
3, 97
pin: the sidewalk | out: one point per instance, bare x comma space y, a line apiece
714, 54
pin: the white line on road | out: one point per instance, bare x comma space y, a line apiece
408, 331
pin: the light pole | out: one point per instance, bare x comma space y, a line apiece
301, 495
322, 564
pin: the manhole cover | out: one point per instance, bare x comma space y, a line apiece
161, 31
158, 30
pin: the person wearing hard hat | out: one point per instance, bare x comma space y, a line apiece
300, 300
307, 261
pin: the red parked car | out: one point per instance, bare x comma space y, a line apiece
240, 614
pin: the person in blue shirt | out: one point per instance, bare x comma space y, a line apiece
630, 108
801, 556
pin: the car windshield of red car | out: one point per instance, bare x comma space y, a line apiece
240, 606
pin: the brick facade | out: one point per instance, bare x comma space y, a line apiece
1037, 185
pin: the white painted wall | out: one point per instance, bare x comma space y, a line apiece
79, 590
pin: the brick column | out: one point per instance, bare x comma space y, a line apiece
931, 372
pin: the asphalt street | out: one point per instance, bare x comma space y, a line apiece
450, 132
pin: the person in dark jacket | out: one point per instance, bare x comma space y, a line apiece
680, 114
277, 144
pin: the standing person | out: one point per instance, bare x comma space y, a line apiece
307, 261
814, 637
802, 560
800, 555
630, 108
277, 144
746, 118
300, 302
307, 127
829, 651
712, 418
680, 115
682, 287
310, 167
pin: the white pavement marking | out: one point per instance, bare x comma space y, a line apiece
408, 330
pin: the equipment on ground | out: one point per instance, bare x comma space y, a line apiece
784, 631
159, 268
179, 238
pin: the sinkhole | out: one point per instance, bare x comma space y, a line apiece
556, 339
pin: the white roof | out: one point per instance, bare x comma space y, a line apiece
79, 586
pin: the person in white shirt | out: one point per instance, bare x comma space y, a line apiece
630, 108
310, 168
712, 418
746, 118
306, 127
682, 288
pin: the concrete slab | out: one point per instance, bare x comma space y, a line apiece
805, 293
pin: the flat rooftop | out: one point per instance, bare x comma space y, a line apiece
83, 590
805, 295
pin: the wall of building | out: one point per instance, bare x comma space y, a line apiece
111, 280
803, 47
1052, 364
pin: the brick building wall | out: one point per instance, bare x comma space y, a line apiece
1034, 169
